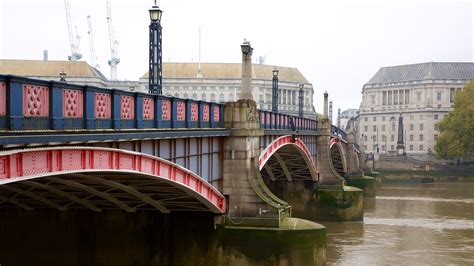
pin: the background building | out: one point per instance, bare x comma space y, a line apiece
216, 82
344, 117
421, 93
220, 82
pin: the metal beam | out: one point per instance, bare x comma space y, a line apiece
283, 166
30, 194
270, 172
17, 203
68, 196
127, 189
95, 192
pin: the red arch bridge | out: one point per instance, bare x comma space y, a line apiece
65, 146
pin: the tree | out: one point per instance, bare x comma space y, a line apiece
456, 137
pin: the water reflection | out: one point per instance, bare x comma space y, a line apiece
409, 224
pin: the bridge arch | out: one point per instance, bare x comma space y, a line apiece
338, 159
292, 146
101, 178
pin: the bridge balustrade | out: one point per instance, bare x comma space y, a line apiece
339, 132
273, 120
32, 104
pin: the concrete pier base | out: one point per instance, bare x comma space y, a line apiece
295, 242
336, 203
368, 184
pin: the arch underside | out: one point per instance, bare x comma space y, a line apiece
337, 159
98, 179
99, 191
287, 163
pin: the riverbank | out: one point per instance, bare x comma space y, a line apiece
417, 176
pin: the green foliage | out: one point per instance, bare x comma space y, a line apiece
456, 137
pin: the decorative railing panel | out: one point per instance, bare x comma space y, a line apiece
49, 105
272, 120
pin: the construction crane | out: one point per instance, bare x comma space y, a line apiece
74, 41
91, 42
114, 60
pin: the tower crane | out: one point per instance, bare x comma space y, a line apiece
74, 41
91, 42
114, 60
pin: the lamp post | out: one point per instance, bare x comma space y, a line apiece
275, 90
301, 100
154, 60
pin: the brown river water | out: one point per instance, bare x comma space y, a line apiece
409, 224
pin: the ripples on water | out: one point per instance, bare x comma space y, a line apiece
409, 225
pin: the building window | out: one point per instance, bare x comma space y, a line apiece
392, 137
213, 98
411, 147
374, 119
203, 97
372, 99
407, 96
436, 137
452, 92
383, 147
374, 128
176, 95
384, 138
421, 137
185, 95
436, 127
392, 147
365, 128
365, 138
418, 96
195, 96
366, 119
411, 137
389, 102
395, 97
421, 126
411, 117
438, 96
393, 125
421, 147
436, 117
221, 97
231, 97
384, 98
383, 127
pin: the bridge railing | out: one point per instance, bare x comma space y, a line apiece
273, 120
31, 104
338, 132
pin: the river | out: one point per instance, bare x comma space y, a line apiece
408, 224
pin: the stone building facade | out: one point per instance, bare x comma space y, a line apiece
344, 117
421, 93
220, 82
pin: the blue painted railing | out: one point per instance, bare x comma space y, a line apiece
32, 104
273, 120
338, 132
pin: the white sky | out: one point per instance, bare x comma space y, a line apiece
337, 45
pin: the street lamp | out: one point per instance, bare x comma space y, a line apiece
275, 89
155, 63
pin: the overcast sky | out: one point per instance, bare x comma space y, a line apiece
337, 45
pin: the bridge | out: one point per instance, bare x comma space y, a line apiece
65, 147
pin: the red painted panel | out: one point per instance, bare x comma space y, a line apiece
273, 119
181, 114
126, 161
165, 171
148, 109
34, 163
127, 107
166, 110
3, 167
3, 98
73, 106
35, 101
103, 106
71, 160
216, 114
262, 118
179, 176
205, 113
147, 165
194, 112
102, 160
